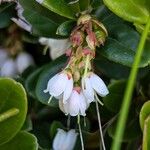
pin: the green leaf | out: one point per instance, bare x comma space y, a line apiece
84, 4
146, 134
48, 72
96, 3
113, 100
132, 130
6, 13
31, 81
22, 141
144, 113
12, 95
65, 28
131, 10
60, 7
54, 126
44, 22
121, 45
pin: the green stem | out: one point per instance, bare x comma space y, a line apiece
86, 65
129, 90
9, 113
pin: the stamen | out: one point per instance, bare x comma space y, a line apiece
45, 49
100, 126
50, 99
98, 100
81, 137
86, 65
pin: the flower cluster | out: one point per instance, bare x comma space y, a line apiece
77, 85
11, 67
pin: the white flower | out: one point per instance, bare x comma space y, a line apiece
21, 21
75, 105
60, 85
64, 140
3, 56
57, 46
93, 83
23, 61
9, 68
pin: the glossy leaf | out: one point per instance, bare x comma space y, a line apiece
113, 100
6, 13
84, 4
121, 45
22, 141
48, 72
31, 81
65, 28
12, 95
44, 23
130, 10
60, 7
144, 113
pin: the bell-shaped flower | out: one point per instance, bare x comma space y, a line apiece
23, 61
65, 140
60, 85
9, 68
76, 104
93, 83
57, 46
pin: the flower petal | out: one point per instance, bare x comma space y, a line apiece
87, 89
98, 85
58, 87
70, 140
59, 139
83, 105
51, 82
73, 103
68, 90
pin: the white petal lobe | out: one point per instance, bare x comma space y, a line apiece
98, 85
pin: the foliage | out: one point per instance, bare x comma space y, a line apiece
35, 124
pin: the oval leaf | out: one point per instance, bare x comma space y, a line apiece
131, 10
12, 95
144, 113
22, 141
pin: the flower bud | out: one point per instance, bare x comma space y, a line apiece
91, 40
76, 76
83, 19
77, 38
101, 37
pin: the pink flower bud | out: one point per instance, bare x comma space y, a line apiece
77, 38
